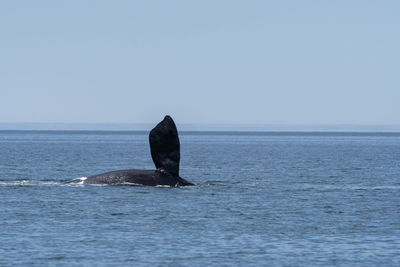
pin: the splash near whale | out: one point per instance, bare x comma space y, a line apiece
165, 152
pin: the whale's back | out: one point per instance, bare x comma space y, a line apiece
137, 177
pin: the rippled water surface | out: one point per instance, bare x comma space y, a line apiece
260, 199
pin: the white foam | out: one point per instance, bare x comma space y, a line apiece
11, 183
162, 185
80, 180
133, 184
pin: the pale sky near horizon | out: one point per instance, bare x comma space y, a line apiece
256, 62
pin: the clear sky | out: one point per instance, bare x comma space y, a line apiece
256, 62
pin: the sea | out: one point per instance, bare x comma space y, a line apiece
260, 199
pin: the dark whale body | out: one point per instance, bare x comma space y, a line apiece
137, 177
165, 152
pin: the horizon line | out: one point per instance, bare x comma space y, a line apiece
245, 127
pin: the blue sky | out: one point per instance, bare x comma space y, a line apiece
244, 62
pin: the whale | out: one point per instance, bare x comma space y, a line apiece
165, 152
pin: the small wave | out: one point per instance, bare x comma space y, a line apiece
347, 187
29, 183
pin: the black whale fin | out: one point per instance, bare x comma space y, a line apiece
165, 147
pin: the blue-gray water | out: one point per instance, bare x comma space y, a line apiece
261, 199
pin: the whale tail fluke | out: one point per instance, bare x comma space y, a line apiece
165, 146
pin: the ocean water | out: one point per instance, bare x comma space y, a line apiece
261, 199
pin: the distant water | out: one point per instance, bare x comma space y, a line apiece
261, 199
